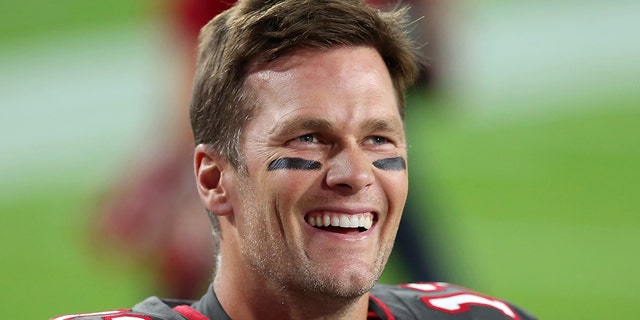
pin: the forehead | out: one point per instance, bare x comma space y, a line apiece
335, 63
343, 81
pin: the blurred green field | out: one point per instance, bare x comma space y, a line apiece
542, 211
539, 209
28, 18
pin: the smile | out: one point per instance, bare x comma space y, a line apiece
361, 221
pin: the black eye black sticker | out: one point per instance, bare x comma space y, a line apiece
294, 164
393, 164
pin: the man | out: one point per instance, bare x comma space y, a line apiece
175, 263
301, 162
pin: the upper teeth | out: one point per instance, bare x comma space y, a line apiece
360, 220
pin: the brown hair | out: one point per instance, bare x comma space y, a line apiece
256, 32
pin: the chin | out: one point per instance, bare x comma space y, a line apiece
345, 290
349, 284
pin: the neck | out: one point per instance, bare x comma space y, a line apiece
251, 296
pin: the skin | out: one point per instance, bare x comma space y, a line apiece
337, 107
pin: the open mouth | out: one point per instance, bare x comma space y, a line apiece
340, 222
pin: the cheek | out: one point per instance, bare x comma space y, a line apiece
396, 186
288, 186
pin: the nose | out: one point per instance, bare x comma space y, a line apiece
350, 170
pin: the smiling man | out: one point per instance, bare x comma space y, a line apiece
321, 223
301, 163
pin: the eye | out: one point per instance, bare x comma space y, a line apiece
304, 140
378, 140
307, 138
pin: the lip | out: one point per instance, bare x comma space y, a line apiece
342, 210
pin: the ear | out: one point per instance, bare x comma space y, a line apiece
209, 169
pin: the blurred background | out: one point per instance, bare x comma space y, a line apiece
524, 156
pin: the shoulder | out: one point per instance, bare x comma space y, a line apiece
439, 300
152, 308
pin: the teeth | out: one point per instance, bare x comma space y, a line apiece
361, 220
353, 222
344, 222
368, 223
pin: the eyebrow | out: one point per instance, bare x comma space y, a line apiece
320, 124
386, 125
311, 124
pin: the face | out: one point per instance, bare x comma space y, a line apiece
325, 155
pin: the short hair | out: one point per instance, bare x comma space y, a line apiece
254, 33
